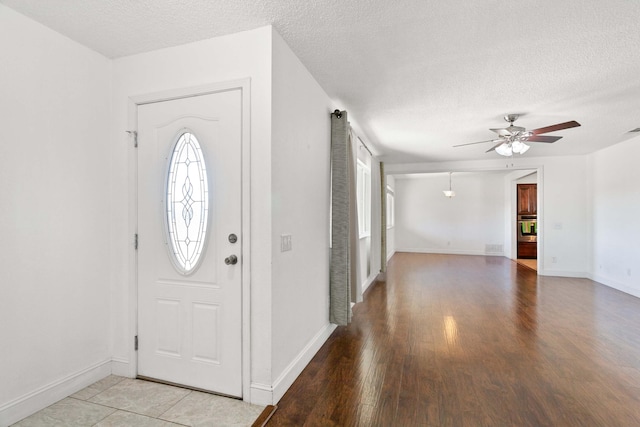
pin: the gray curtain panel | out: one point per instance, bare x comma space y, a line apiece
343, 199
383, 220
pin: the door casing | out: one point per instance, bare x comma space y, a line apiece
244, 85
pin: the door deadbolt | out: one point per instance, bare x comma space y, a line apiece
233, 238
231, 260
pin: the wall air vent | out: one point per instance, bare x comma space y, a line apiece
493, 249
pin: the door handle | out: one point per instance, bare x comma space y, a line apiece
231, 260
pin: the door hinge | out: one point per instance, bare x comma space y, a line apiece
135, 343
135, 241
135, 137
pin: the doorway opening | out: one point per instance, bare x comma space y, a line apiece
526, 221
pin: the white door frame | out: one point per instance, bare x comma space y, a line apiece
513, 214
244, 85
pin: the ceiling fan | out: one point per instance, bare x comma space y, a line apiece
512, 138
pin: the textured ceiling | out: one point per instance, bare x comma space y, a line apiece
419, 76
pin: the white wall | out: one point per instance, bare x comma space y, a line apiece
564, 227
615, 207
300, 181
427, 221
564, 224
54, 215
232, 57
531, 178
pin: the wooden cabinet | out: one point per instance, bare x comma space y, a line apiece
528, 250
527, 205
527, 199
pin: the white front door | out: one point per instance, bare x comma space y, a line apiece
189, 210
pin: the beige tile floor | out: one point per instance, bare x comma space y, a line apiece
531, 263
118, 401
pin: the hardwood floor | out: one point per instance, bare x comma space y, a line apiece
475, 341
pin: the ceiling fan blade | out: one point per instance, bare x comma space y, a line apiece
472, 143
543, 138
494, 147
553, 128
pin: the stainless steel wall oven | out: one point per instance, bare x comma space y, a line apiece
527, 228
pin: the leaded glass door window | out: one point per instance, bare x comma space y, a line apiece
187, 203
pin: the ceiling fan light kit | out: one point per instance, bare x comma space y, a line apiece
512, 138
509, 148
504, 150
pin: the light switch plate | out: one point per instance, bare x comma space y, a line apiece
285, 242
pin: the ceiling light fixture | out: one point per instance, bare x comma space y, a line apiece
449, 193
512, 138
511, 146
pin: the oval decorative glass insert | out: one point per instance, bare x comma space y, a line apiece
187, 206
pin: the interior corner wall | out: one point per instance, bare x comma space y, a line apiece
227, 58
54, 216
429, 222
300, 176
564, 222
615, 208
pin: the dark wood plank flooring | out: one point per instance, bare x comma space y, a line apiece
475, 341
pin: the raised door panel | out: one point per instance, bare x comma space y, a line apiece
533, 199
527, 199
523, 199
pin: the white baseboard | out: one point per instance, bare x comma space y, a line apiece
262, 394
369, 281
389, 255
48, 394
449, 251
615, 285
121, 367
291, 372
561, 273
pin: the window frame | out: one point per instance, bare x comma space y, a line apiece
391, 207
363, 197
